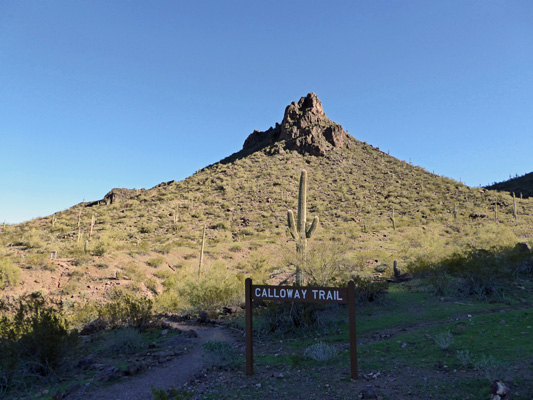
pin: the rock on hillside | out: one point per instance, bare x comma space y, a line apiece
305, 128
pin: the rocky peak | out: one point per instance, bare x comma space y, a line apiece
304, 128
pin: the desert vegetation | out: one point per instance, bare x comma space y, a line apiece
186, 248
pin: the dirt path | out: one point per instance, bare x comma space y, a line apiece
173, 374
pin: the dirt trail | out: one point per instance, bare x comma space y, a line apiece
173, 374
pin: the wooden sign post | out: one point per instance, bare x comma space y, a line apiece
302, 294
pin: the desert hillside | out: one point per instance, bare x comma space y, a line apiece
373, 209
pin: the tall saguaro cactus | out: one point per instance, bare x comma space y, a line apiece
299, 229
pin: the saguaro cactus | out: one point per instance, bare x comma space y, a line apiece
93, 220
515, 214
201, 254
299, 229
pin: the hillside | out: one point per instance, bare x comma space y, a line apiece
148, 241
521, 186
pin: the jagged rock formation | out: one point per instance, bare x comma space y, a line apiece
305, 128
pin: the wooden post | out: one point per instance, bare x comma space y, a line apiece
249, 328
353, 333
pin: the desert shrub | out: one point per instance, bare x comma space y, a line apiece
325, 264
100, 249
444, 340
320, 352
32, 240
214, 289
121, 341
288, 318
151, 285
368, 290
34, 339
147, 228
235, 249
220, 354
155, 262
464, 357
168, 301
490, 367
37, 260
164, 274
172, 394
220, 225
9, 273
477, 272
125, 310
165, 249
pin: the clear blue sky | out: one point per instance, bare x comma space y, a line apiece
102, 94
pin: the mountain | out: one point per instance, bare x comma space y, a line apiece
373, 209
521, 186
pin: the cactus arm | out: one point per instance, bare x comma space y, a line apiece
312, 228
292, 224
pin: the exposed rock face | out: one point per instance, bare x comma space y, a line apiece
118, 194
305, 128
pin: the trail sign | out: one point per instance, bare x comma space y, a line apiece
306, 294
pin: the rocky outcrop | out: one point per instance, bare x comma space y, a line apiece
305, 128
117, 195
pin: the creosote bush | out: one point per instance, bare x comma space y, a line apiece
9, 274
220, 354
34, 339
216, 287
477, 272
121, 341
125, 310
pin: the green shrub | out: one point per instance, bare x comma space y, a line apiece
220, 354
34, 339
38, 260
100, 249
9, 274
216, 288
325, 264
147, 228
220, 225
125, 310
368, 290
121, 341
155, 262
320, 352
172, 394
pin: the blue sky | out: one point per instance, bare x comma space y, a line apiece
102, 94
